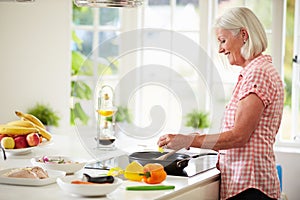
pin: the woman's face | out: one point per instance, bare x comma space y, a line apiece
231, 45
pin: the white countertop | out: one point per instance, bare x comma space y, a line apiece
70, 145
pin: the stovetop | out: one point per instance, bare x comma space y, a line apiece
194, 167
201, 164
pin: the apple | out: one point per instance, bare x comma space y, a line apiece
33, 139
8, 143
41, 139
20, 142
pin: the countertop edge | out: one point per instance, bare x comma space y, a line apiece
210, 176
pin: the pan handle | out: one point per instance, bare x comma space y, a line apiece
180, 163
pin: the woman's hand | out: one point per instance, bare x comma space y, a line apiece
176, 141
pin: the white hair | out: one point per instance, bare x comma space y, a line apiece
240, 17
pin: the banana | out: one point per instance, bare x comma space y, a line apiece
21, 123
44, 133
31, 118
16, 130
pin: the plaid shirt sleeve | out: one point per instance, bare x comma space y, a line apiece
259, 82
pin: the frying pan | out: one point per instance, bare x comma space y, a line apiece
173, 165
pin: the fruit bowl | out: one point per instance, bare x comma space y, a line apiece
21, 151
90, 190
27, 150
61, 163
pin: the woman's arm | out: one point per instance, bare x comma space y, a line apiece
247, 117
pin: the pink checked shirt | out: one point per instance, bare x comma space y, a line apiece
253, 166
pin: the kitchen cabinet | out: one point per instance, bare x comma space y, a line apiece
207, 191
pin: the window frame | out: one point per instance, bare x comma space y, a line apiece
295, 107
131, 19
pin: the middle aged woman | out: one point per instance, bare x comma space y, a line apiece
252, 116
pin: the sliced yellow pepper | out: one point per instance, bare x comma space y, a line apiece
160, 149
134, 171
115, 171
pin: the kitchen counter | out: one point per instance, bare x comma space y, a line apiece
202, 186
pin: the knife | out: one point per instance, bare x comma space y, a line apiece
151, 187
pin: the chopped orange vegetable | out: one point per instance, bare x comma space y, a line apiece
81, 182
154, 173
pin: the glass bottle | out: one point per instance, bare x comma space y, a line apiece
105, 128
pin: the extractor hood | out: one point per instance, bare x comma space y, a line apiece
95, 3
108, 3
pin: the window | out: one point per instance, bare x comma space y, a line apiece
291, 126
178, 16
92, 27
187, 91
192, 19
296, 76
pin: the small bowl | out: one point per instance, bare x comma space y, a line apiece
88, 190
67, 164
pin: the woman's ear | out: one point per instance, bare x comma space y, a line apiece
244, 34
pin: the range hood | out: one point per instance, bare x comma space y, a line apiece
108, 3
95, 3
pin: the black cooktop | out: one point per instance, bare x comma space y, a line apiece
195, 165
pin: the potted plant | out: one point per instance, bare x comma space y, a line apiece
46, 114
198, 120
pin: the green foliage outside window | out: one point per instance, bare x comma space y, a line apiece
289, 42
122, 115
82, 15
79, 89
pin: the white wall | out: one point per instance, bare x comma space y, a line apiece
35, 56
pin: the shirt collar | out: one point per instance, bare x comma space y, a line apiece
259, 59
